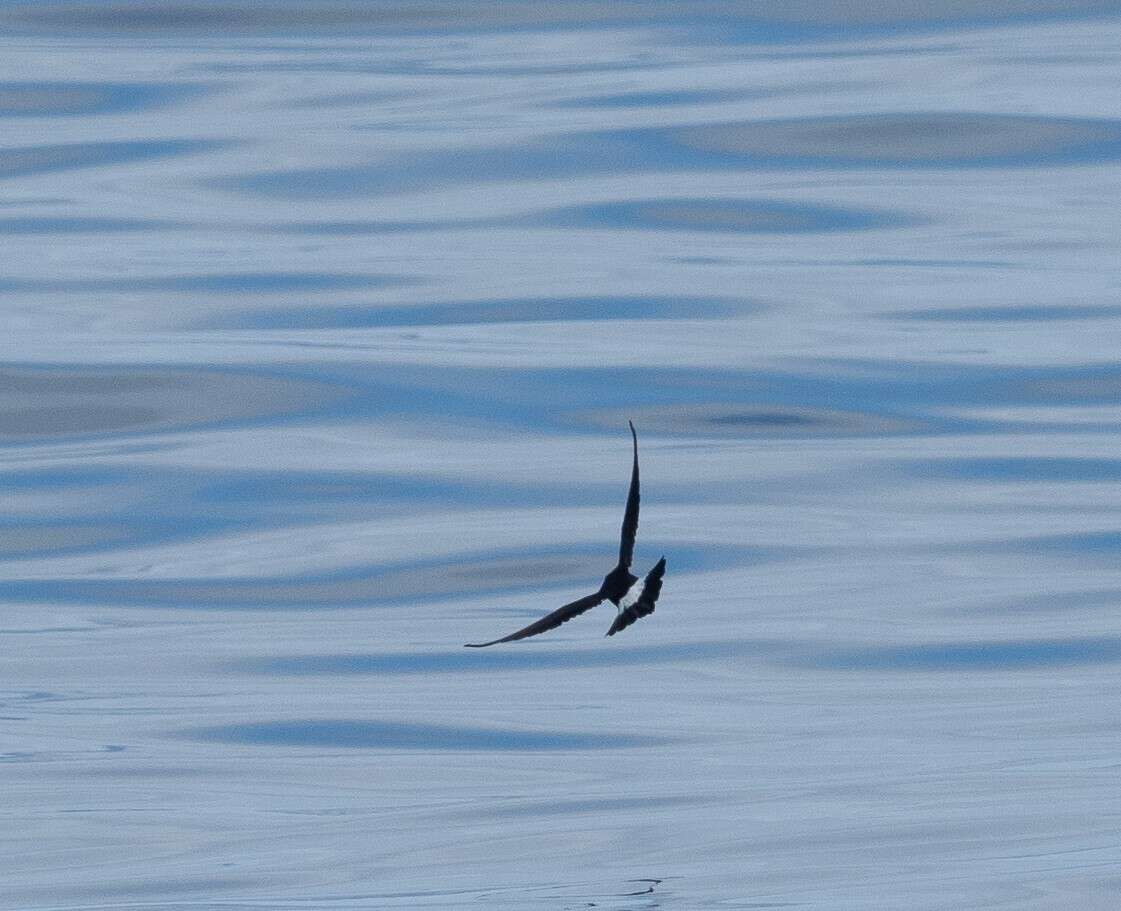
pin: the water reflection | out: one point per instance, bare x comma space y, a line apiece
529, 569
664, 98
734, 216
750, 216
493, 311
204, 283
73, 99
903, 140
764, 419
84, 225
835, 260
1017, 469
50, 538
1041, 313
520, 659
598, 807
1064, 601
110, 526
39, 404
335, 494
791, 21
1088, 544
881, 398
362, 100
388, 735
977, 656
38, 422
908, 139
25, 161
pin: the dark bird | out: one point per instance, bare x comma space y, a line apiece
619, 586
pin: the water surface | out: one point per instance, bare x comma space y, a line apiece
323, 322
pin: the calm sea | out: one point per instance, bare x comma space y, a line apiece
321, 326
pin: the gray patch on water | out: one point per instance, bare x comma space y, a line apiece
910, 139
762, 420
79, 98
1010, 314
38, 404
50, 539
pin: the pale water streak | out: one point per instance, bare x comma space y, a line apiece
322, 324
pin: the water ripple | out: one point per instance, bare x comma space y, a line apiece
47, 224
389, 735
665, 98
1017, 469
408, 269
529, 569
765, 419
209, 283
522, 659
1042, 313
913, 139
946, 139
72, 99
23, 161
709, 214
1023, 654
743, 216
533, 310
43, 403
717, 20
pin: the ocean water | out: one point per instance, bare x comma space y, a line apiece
322, 323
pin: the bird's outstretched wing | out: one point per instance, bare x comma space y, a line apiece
651, 588
551, 621
630, 517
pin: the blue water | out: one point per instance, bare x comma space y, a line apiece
322, 325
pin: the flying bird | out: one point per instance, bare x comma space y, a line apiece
620, 586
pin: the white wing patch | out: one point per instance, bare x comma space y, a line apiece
632, 595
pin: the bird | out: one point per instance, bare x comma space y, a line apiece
620, 586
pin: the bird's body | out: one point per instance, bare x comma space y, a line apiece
620, 586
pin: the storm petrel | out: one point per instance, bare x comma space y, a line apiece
619, 586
